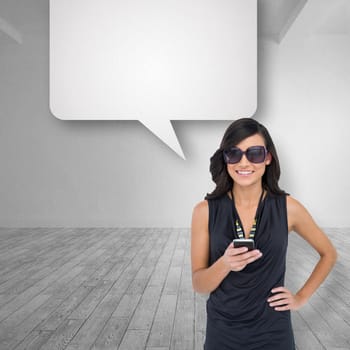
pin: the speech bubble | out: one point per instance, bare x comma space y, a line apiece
153, 61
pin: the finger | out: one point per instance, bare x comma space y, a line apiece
245, 254
245, 249
251, 258
282, 308
278, 297
235, 251
281, 302
279, 289
238, 251
252, 254
239, 262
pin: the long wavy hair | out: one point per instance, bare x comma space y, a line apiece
234, 134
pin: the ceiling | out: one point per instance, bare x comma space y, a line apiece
275, 18
278, 18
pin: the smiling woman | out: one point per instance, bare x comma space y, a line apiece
249, 306
235, 134
250, 167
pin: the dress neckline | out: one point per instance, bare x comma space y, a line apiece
236, 220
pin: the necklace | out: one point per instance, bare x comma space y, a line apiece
237, 226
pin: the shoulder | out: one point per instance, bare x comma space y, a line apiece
297, 213
200, 219
302, 223
293, 205
201, 209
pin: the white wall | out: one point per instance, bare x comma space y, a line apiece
63, 173
305, 87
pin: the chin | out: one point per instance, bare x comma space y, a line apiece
246, 182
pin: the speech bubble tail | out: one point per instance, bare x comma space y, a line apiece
164, 130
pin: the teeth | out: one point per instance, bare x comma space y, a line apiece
241, 172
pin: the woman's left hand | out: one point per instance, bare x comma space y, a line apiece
284, 300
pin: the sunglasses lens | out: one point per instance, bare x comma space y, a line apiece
256, 154
233, 155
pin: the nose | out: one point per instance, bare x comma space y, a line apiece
244, 161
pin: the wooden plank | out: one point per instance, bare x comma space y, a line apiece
298, 322
86, 336
184, 324
65, 285
63, 335
108, 304
200, 302
174, 273
34, 341
101, 288
173, 280
126, 306
307, 340
146, 309
24, 311
161, 331
64, 310
327, 311
25, 330
111, 335
30, 293
331, 316
87, 306
4, 299
134, 339
161, 270
183, 333
327, 333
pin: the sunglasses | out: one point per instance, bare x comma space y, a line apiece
255, 154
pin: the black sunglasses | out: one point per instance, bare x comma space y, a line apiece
255, 154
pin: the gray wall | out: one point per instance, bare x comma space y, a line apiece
112, 173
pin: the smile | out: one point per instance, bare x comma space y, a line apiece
244, 172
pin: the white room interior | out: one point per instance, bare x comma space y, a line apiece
95, 215
117, 173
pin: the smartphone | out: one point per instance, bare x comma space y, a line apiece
244, 242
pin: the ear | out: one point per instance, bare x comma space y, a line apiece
268, 159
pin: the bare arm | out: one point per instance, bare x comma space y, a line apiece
207, 278
300, 221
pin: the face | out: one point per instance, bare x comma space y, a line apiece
246, 173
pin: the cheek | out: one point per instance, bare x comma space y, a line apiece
230, 170
261, 169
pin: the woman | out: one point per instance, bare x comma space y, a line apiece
248, 306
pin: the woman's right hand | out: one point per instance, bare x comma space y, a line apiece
236, 259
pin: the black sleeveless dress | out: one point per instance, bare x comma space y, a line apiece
238, 314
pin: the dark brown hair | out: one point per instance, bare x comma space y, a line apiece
234, 134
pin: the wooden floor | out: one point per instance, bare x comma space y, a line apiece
130, 289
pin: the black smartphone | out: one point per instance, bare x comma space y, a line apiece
244, 242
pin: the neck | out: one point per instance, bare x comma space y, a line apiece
247, 195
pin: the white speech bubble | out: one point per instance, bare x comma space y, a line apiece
153, 61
